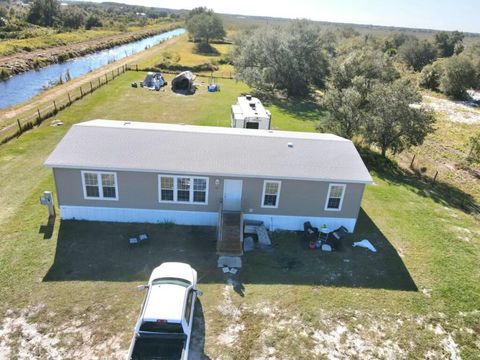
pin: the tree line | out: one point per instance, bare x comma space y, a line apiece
369, 84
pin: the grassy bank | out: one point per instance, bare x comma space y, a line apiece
53, 39
417, 297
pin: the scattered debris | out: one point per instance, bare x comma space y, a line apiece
56, 123
365, 244
226, 269
326, 247
263, 238
248, 244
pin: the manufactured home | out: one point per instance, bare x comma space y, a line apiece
249, 113
147, 172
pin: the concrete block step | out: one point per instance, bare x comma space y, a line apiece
229, 261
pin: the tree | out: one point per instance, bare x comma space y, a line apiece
474, 154
204, 25
416, 54
345, 116
446, 42
92, 21
43, 12
458, 76
73, 17
394, 121
370, 65
288, 57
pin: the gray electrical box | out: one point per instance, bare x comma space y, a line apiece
47, 199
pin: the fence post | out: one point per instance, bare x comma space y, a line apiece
118, 71
106, 78
81, 92
55, 106
113, 75
39, 116
19, 125
91, 87
435, 177
99, 84
413, 159
136, 66
69, 100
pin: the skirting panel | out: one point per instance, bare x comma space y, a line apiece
272, 222
281, 222
138, 215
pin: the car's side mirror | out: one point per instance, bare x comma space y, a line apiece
199, 292
142, 287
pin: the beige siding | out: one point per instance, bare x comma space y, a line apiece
139, 190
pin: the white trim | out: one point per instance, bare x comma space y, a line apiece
99, 185
344, 187
175, 194
278, 194
212, 174
295, 223
155, 216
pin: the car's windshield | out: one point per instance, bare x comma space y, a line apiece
174, 281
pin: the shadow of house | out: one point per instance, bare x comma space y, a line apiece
100, 252
290, 261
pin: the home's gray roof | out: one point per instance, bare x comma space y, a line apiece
205, 150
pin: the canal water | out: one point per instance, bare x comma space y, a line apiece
23, 86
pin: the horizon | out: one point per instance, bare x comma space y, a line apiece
425, 15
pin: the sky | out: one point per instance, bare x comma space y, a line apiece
462, 15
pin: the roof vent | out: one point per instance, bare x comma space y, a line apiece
252, 105
290, 145
249, 97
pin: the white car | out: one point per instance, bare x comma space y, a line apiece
164, 327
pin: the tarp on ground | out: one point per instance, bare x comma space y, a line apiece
183, 83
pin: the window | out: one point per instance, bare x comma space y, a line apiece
166, 188
271, 193
199, 190
335, 197
188, 306
100, 185
183, 189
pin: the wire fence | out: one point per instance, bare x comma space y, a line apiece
38, 115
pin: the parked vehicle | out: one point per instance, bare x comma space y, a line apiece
164, 327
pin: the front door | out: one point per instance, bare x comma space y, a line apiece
232, 195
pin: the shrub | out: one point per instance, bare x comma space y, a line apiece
430, 77
458, 76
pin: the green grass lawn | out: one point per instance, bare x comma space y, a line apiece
70, 286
